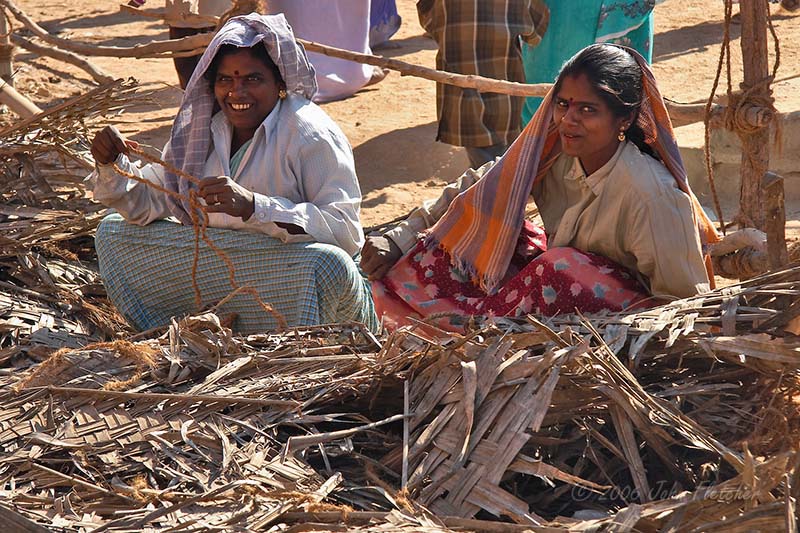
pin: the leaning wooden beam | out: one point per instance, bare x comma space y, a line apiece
680, 114
16, 102
62, 55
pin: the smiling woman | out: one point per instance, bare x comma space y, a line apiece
621, 226
278, 182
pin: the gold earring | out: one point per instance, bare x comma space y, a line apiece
621, 135
282, 94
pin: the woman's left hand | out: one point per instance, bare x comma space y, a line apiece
223, 195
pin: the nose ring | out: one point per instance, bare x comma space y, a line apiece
230, 93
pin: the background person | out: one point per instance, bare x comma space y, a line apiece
481, 38
575, 25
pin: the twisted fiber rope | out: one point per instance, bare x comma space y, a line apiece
738, 102
199, 218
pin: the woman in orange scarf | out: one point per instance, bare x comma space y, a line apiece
620, 223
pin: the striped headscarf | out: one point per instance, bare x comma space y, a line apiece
482, 224
191, 131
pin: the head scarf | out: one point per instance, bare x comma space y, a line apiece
481, 226
191, 134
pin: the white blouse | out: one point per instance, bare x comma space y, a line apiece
299, 165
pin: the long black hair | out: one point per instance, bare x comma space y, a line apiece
616, 77
258, 51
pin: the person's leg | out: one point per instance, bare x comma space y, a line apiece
147, 271
479, 155
185, 66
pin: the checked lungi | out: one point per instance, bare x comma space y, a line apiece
147, 272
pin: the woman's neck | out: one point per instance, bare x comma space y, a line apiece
597, 160
240, 137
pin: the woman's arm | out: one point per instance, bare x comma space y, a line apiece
136, 202
381, 252
325, 170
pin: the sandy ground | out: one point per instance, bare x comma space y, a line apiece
392, 125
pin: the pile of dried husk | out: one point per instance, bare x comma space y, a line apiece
50, 294
680, 418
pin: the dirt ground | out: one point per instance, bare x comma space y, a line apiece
392, 125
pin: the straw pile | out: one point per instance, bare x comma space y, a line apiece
50, 296
683, 417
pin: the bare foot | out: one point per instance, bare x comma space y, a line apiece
377, 75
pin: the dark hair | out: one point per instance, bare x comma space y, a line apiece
616, 77
258, 51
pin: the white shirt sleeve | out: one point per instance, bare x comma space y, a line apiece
326, 172
136, 202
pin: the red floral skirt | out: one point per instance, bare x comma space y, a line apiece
544, 282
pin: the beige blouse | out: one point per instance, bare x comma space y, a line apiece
630, 211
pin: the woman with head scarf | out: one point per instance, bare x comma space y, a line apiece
621, 225
277, 181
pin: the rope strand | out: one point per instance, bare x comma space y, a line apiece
199, 217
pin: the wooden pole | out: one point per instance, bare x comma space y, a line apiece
6, 50
775, 220
17, 103
755, 144
94, 71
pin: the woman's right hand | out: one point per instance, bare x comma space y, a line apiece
378, 255
108, 144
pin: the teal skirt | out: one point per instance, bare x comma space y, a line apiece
147, 272
575, 25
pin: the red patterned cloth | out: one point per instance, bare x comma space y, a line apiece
423, 283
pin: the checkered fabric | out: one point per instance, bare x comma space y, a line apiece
191, 134
147, 273
481, 38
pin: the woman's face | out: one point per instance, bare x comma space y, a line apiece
588, 128
246, 91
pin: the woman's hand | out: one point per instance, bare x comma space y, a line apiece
378, 255
223, 195
108, 144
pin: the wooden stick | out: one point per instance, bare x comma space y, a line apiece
152, 396
16, 102
298, 443
406, 417
168, 48
63, 55
775, 220
681, 114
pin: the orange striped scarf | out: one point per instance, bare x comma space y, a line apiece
481, 226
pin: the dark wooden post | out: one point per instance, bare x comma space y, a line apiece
755, 145
775, 220
6, 50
